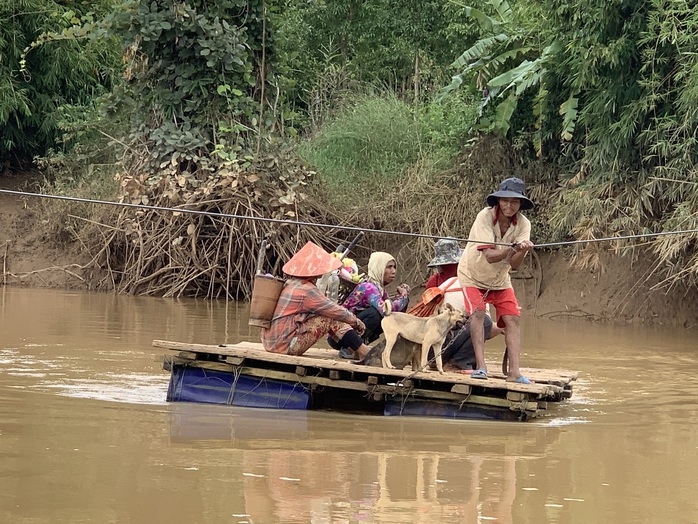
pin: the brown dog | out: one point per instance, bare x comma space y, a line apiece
429, 332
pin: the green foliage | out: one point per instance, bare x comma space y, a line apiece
403, 46
600, 67
379, 141
191, 79
506, 63
374, 139
669, 53
568, 111
39, 76
446, 124
630, 68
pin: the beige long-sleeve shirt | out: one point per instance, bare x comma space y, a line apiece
473, 269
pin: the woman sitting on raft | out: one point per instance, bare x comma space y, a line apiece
367, 299
447, 255
303, 314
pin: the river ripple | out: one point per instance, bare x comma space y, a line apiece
86, 434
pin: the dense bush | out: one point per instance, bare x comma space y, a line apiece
194, 72
43, 77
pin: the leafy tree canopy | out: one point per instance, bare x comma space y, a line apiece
39, 78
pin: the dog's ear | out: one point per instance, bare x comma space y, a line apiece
449, 307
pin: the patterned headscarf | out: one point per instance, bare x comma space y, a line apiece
377, 263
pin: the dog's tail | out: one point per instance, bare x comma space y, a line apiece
387, 308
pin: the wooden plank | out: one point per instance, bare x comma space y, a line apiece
563, 375
167, 362
394, 390
204, 364
307, 380
235, 361
543, 375
461, 389
318, 358
515, 396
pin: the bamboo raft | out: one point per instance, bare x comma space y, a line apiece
244, 374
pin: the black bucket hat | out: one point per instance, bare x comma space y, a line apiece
511, 188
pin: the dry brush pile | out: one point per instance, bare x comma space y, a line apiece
201, 245
204, 239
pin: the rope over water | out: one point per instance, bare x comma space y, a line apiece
335, 226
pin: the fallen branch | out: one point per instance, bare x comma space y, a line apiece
47, 269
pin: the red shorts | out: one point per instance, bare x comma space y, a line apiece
503, 300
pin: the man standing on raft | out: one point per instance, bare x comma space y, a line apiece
483, 271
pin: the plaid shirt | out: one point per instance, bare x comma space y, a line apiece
299, 301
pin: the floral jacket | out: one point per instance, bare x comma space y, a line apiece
367, 294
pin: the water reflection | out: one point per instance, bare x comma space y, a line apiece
86, 436
298, 468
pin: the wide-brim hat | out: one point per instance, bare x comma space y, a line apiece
447, 252
511, 188
311, 261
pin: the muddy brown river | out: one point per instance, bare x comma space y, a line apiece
87, 436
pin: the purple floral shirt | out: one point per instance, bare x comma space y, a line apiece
367, 294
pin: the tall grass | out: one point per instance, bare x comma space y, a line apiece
372, 140
377, 138
446, 125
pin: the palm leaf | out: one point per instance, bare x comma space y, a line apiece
503, 9
528, 80
568, 112
502, 117
487, 23
457, 80
479, 49
510, 54
508, 78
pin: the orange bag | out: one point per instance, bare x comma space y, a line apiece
431, 298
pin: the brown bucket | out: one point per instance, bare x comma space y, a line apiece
265, 295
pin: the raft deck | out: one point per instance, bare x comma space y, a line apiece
244, 374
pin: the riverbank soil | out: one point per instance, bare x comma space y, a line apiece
28, 257
621, 291
546, 286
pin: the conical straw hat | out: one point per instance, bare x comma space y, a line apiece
311, 261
